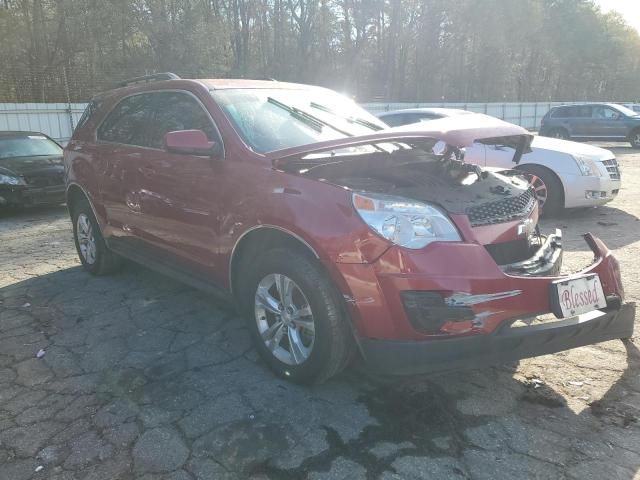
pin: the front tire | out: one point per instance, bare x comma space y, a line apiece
296, 317
95, 256
634, 138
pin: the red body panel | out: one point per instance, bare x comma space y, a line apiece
195, 209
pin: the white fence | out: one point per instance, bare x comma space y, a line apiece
54, 119
58, 119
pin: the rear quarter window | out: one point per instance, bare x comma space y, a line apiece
88, 113
559, 112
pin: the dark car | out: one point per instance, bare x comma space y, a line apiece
596, 121
331, 235
31, 170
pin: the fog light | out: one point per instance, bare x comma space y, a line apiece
594, 194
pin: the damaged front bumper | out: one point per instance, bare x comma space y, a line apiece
507, 344
547, 261
451, 306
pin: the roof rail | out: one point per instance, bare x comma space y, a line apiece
149, 78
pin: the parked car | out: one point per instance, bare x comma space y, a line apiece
330, 235
564, 174
592, 121
31, 170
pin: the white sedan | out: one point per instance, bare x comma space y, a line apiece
565, 174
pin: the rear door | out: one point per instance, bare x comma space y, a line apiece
122, 141
580, 120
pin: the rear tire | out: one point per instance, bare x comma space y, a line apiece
634, 138
95, 256
554, 202
296, 317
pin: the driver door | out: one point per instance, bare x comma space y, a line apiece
179, 193
607, 122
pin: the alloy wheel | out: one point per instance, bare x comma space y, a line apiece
284, 318
86, 239
539, 189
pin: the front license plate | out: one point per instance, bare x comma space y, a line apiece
574, 296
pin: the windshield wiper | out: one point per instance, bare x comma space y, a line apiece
356, 120
314, 122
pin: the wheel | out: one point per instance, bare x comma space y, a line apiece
94, 255
296, 317
548, 189
559, 133
634, 138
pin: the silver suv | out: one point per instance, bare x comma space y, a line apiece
597, 121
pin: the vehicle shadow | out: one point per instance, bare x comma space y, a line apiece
144, 350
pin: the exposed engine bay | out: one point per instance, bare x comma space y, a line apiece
459, 188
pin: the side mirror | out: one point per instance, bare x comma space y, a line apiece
190, 142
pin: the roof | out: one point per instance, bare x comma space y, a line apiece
225, 83
592, 104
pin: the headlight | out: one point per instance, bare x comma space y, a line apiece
10, 180
587, 167
405, 222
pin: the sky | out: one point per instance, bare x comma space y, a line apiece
629, 9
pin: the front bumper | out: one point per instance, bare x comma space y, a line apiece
20, 195
577, 186
506, 344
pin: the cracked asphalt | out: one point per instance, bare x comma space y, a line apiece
143, 377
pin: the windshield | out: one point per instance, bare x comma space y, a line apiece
625, 111
28, 146
275, 119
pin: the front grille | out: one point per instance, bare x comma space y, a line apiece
612, 168
504, 210
510, 252
49, 180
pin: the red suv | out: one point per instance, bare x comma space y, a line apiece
332, 236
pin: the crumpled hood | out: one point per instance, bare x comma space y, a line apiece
463, 130
571, 148
460, 131
29, 165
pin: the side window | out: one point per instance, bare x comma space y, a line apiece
603, 112
127, 122
87, 114
394, 120
560, 112
426, 116
583, 111
178, 111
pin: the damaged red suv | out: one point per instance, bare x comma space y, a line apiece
332, 236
